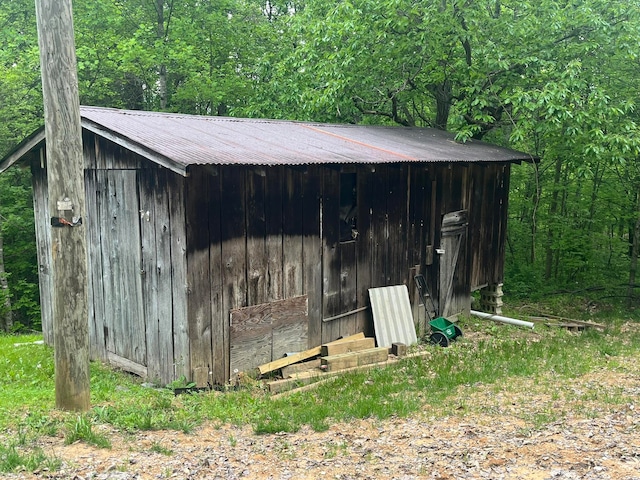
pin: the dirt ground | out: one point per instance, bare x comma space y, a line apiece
498, 432
583, 428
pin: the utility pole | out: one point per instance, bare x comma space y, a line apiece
65, 181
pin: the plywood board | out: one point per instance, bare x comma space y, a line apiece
263, 332
251, 337
392, 316
290, 321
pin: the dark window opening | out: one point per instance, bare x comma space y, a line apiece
348, 207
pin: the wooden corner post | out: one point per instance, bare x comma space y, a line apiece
65, 181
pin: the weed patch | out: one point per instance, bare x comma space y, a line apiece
495, 358
81, 429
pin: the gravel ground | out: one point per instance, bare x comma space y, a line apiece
547, 428
482, 447
493, 433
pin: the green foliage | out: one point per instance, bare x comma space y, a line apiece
21, 99
181, 383
20, 259
26, 375
159, 448
13, 459
554, 78
81, 429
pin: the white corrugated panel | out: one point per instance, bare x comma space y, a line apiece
392, 315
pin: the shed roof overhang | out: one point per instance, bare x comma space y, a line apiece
177, 141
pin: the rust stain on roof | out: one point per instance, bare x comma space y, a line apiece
405, 157
178, 141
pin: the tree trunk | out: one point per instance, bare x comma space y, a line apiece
553, 210
633, 264
442, 94
6, 318
162, 68
534, 212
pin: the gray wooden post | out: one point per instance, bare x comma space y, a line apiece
65, 181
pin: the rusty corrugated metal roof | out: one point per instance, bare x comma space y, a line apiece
177, 141
197, 140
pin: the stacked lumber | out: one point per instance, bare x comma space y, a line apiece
568, 323
355, 352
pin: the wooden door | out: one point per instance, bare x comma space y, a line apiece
452, 255
120, 261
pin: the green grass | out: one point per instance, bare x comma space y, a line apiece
12, 458
490, 356
159, 448
81, 429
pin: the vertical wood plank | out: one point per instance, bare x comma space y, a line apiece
112, 325
379, 227
366, 193
463, 274
398, 268
439, 177
331, 252
234, 264
179, 292
476, 230
164, 276
292, 233
348, 288
99, 147
219, 316
504, 175
418, 209
147, 186
43, 246
128, 251
97, 347
256, 237
89, 150
419, 241
312, 251
198, 204
274, 233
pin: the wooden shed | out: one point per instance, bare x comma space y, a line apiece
216, 244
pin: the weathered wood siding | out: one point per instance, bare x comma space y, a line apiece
247, 246
171, 257
43, 243
137, 255
488, 210
268, 234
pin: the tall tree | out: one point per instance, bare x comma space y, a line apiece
6, 315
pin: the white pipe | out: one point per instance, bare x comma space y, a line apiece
498, 318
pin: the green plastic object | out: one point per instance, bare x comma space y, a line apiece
441, 324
